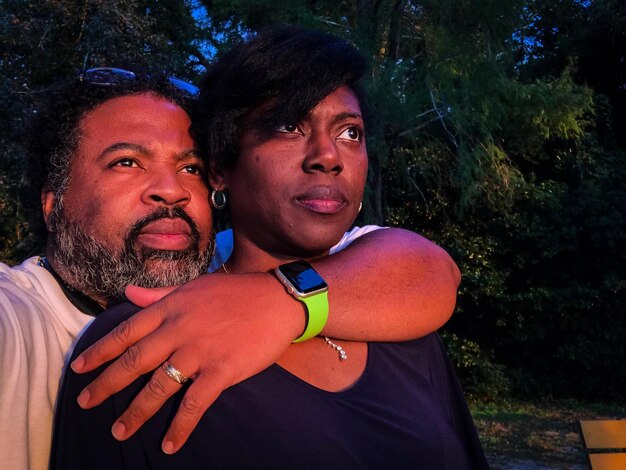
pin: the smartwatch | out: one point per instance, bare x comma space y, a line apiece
306, 285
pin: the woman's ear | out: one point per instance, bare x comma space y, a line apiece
47, 204
216, 177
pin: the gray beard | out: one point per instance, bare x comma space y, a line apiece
92, 268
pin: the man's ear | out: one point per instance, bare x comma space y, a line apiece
47, 203
217, 180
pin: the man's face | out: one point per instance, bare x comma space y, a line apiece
136, 208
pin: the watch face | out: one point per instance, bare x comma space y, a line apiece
303, 277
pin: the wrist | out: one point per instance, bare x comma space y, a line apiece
292, 314
305, 285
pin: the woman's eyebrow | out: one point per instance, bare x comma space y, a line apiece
346, 115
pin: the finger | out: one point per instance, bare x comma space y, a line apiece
144, 297
118, 340
204, 390
143, 356
149, 400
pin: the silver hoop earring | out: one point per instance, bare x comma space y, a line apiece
360, 206
218, 198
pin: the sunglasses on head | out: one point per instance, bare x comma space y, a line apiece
111, 76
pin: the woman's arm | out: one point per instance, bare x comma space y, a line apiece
389, 285
220, 329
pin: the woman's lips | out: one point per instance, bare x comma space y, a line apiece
166, 234
322, 200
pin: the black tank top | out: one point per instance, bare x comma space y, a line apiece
406, 411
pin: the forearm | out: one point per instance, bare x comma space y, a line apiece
389, 285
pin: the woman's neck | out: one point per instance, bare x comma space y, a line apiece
250, 258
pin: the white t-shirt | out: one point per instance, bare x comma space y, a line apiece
224, 244
38, 326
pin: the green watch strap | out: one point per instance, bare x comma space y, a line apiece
317, 315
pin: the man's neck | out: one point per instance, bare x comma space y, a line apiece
81, 301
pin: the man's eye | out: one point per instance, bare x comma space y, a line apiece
287, 128
192, 169
352, 133
124, 163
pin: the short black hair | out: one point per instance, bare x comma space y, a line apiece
285, 68
52, 136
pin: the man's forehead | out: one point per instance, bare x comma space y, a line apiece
142, 118
140, 104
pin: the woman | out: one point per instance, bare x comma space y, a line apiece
282, 120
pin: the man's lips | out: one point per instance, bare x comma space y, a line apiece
166, 234
322, 200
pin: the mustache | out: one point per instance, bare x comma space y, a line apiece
164, 213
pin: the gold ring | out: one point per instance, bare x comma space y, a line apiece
174, 374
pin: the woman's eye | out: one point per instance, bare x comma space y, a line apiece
287, 128
352, 133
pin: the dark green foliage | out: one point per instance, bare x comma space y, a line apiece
482, 380
498, 131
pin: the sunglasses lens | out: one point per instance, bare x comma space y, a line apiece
193, 90
108, 76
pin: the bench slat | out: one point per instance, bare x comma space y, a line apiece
605, 434
608, 461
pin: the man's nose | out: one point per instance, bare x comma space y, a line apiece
322, 154
164, 187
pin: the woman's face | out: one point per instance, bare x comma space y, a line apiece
297, 191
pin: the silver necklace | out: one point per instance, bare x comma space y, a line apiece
342, 352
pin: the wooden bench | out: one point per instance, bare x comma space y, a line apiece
605, 441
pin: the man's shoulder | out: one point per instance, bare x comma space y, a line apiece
18, 281
30, 296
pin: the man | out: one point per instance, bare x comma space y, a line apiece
125, 201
